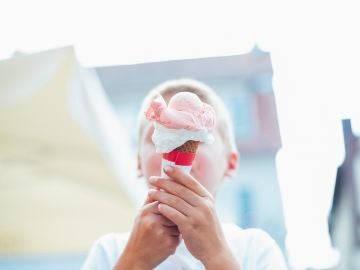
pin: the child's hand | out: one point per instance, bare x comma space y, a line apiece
184, 201
152, 240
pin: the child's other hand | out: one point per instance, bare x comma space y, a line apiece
188, 204
152, 239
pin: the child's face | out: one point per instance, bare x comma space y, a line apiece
210, 166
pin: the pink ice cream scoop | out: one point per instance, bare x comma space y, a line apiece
185, 111
180, 126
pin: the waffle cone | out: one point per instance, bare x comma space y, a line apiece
189, 146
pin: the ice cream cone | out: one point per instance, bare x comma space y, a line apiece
189, 146
179, 126
181, 157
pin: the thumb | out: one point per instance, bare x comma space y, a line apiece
149, 199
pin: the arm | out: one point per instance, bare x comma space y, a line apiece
225, 261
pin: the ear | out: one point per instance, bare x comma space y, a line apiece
232, 163
139, 167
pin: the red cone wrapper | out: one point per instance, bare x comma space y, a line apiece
181, 157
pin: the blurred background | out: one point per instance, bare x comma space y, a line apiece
72, 78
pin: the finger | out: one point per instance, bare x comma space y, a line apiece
148, 200
173, 231
172, 200
187, 180
152, 208
164, 221
172, 214
176, 189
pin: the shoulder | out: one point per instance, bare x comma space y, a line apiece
105, 251
250, 236
112, 239
254, 247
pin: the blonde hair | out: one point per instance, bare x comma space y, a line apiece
224, 123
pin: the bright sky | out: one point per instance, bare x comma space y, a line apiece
124, 32
112, 32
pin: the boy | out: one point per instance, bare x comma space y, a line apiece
177, 227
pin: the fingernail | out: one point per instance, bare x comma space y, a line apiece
168, 169
152, 179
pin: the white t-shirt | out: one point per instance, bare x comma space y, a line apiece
253, 248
